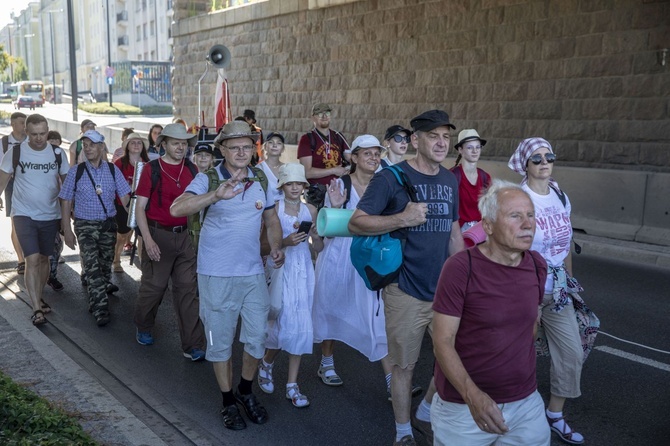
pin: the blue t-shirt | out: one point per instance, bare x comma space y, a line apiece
427, 245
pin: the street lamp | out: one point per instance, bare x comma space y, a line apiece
53, 59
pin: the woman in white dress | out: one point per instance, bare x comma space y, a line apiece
344, 309
291, 331
274, 148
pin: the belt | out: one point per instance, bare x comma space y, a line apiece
175, 229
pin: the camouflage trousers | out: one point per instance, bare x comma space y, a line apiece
55, 257
96, 247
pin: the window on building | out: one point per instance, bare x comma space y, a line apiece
138, 33
152, 28
144, 31
139, 57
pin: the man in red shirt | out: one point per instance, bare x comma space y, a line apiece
485, 318
322, 149
167, 251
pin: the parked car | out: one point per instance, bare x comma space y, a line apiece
25, 101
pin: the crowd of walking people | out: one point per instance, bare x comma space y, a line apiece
292, 286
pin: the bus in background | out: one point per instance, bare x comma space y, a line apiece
34, 89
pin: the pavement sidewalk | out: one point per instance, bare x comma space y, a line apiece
30, 358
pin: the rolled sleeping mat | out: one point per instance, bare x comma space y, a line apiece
474, 235
333, 222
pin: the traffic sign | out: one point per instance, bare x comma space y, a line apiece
109, 72
110, 80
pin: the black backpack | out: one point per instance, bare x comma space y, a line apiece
16, 157
156, 182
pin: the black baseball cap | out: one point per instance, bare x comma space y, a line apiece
394, 130
271, 135
430, 120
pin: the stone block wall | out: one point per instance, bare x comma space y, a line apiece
584, 74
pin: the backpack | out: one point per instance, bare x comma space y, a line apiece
16, 157
378, 258
81, 167
561, 196
346, 179
195, 221
156, 182
486, 178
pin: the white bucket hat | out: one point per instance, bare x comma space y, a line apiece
292, 173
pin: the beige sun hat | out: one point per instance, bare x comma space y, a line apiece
468, 135
176, 131
236, 129
134, 135
292, 173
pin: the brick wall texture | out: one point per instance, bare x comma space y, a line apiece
584, 74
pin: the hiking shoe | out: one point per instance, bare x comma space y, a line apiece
112, 288
145, 338
232, 418
55, 284
256, 413
194, 355
21, 268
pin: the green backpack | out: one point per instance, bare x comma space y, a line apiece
195, 221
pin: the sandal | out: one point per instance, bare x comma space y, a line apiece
117, 268
329, 379
265, 381
566, 434
297, 399
38, 318
21, 268
45, 307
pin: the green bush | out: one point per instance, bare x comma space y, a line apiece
26, 419
117, 108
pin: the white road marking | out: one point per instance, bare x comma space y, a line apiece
635, 358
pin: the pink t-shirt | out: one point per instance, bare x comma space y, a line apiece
497, 308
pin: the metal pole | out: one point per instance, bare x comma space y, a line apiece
73, 61
109, 53
53, 59
199, 107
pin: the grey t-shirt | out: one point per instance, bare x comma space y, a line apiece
427, 245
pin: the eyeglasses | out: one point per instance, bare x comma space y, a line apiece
323, 115
238, 149
399, 139
537, 158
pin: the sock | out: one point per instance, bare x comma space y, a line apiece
327, 361
423, 411
403, 430
265, 364
388, 382
228, 398
245, 386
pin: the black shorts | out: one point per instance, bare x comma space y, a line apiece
121, 219
35, 236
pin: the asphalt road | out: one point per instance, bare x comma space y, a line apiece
624, 402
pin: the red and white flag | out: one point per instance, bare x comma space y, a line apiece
222, 100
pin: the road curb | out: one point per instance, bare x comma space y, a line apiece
31, 358
628, 251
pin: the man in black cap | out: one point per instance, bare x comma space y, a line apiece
430, 228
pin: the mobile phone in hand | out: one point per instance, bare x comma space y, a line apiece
305, 226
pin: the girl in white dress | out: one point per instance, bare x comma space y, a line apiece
292, 329
274, 148
344, 309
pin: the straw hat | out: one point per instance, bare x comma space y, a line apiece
134, 135
176, 131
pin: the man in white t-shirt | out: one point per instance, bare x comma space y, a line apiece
35, 206
231, 278
16, 136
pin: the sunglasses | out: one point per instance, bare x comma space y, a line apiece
537, 159
399, 139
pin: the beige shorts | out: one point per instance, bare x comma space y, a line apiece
406, 321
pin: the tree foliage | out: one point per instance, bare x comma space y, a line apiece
4, 59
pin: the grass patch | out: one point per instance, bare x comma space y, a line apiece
27, 419
117, 108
